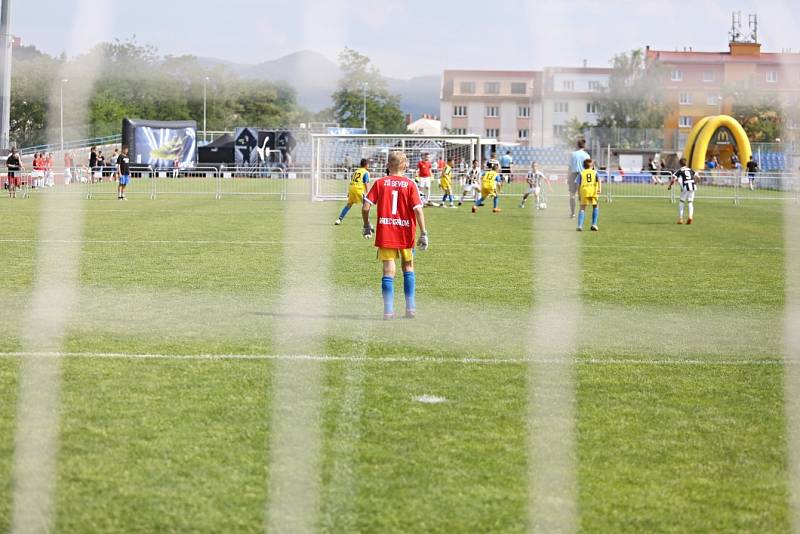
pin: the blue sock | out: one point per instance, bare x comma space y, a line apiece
444, 198
479, 202
581, 218
496, 199
595, 215
387, 289
409, 288
345, 209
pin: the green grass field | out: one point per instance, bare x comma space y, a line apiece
679, 386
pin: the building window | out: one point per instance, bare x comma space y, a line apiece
559, 130
492, 133
712, 100
467, 88
708, 75
685, 99
568, 85
522, 134
594, 85
591, 107
459, 111
519, 88
561, 107
492, 111
685, 122
491, 88
772, 76
459, 131
523, 112
676, 76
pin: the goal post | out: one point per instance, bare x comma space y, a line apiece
334, 157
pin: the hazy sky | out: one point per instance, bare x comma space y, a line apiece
411, 37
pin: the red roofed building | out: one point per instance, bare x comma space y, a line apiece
699, 84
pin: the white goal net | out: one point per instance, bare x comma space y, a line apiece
335, 157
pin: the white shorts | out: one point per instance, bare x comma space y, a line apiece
687, 196
533, 191
425, 182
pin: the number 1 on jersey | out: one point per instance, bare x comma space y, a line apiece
394, 202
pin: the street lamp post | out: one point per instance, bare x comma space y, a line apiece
61, 101
364, 109
205, 89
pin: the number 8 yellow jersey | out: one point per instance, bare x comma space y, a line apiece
589, 185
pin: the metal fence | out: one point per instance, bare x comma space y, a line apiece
218, 183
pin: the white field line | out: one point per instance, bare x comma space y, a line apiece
250, 242
553, 333
299, 358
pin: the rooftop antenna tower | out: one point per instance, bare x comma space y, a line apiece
736, 27
753, 23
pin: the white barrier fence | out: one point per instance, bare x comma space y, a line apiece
296, 183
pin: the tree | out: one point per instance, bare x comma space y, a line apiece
384, 115
635, 95
573, 129
762, 119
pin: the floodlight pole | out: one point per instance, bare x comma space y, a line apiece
61, 102
205, 90
364, 110
5, 74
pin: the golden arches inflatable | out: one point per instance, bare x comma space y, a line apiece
702, 133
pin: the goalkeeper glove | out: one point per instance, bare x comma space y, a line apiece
368, 230
423, 241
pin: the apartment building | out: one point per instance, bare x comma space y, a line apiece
570, 94
528, 108
699, 84
501, 105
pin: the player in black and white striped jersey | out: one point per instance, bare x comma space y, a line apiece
686, 177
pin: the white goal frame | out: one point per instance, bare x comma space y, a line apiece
324, 169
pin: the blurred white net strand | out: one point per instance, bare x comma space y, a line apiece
55, 294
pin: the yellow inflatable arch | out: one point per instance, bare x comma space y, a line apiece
702, 133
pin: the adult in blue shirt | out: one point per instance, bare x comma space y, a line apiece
505, 166
573, 176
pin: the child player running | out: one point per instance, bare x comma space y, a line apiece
356, 190
489, 184
471, 186
399, 211
535, 180
686, 178
589, 191
446, 183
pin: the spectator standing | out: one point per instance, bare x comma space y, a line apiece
124, 172
101, 162
573, 176
69, 161
752, 169
93, 162
49, 180
14, 165
112, 162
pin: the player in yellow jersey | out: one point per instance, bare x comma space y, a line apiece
446, 183
589, 190
489, 182
357, 189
